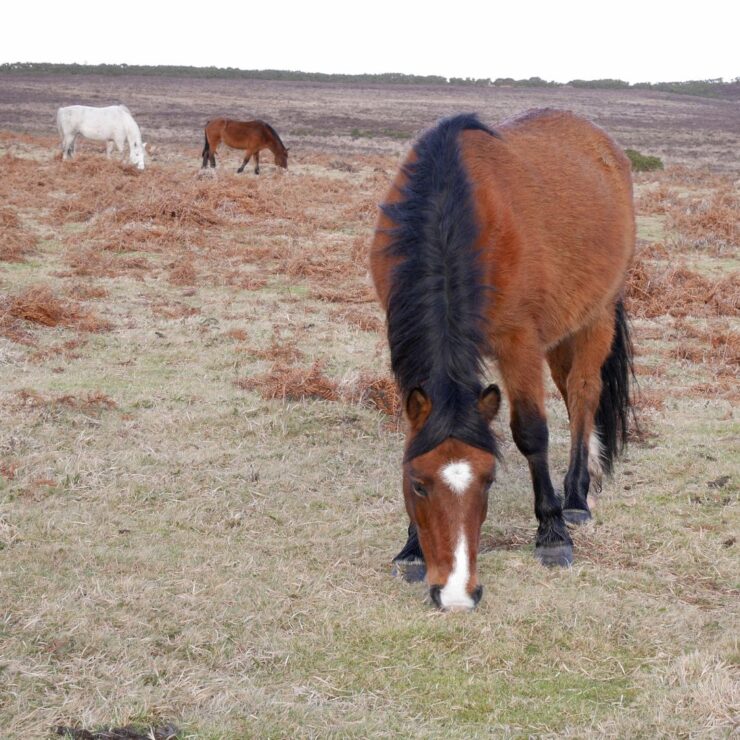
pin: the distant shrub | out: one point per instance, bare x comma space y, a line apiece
390, 133
604, 84
643, 162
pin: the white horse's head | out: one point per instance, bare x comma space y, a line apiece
136, 153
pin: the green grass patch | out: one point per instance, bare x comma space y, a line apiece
643, 162
438, 664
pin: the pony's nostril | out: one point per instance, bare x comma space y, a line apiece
434, 594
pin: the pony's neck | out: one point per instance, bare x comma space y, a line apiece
133, 134
277, 148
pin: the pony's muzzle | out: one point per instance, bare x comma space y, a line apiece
461, 605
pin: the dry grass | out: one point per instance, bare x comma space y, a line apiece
292, 384
675, 290
198, 507
38, 304
374, 391
91, 401
712, 220
16, 242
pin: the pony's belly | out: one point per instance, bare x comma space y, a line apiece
97, 133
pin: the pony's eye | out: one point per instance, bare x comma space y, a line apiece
419, 490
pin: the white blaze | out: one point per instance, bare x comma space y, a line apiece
458, 476
455, 595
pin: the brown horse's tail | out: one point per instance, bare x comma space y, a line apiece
615, 405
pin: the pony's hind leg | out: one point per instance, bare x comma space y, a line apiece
520, 363
209, 150
256, 163
577, 363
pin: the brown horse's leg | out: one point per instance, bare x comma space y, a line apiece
560, 359
520, 362
209, 149
257, 162
206, 152
588, 349
409, 563
244, 163
213, 141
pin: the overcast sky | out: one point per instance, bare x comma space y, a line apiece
629, 40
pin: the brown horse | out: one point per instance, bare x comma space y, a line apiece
251, 136
509, 245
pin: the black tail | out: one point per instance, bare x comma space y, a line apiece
615, 404
206, 148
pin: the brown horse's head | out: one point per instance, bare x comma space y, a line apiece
446, 495
281, 158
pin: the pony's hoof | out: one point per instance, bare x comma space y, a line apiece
576, 516
412, 571
551, 555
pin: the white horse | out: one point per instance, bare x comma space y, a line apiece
113, 124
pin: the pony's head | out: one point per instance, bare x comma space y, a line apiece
281, 158
446, 494
136, 154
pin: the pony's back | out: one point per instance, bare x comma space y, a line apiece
557, 192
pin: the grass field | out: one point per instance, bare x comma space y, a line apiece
200, 444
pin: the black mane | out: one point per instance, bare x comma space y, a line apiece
273, 132
438, 300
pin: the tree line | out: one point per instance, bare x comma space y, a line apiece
712, 87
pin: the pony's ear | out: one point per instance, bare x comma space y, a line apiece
418, 408
489, 402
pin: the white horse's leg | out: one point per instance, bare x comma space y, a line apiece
68, 146
108, 148
120, 145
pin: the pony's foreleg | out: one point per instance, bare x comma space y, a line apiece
120, 143
68, 146
520, 362
244, 163
409, 563
256, 163
108, 148
587, 350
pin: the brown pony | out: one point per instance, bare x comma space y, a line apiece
252, 136
510, 245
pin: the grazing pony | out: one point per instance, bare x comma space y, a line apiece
113, 124
251, 136
510, 245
